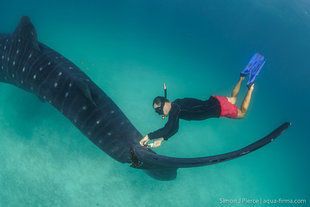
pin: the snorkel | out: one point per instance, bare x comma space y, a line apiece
162, 101
165, 92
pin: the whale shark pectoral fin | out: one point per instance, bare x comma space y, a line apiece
150, 160
25, 32
86, 90
163, 174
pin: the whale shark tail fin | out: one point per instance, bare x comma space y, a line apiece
25, 33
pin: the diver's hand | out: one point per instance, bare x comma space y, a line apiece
144, 141
157, 142
165, 86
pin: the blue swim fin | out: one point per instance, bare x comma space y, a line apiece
259, 63
250, 65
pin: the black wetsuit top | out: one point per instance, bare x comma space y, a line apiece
188, 109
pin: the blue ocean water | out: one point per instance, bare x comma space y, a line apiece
130, 48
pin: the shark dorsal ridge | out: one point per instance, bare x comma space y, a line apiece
25, 32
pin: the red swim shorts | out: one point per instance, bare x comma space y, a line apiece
227, 109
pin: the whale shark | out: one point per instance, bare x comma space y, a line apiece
34, 67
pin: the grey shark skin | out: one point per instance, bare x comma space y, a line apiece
32, 66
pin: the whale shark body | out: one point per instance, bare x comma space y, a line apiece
34, 67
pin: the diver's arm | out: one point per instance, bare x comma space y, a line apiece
160, 132
173, 130
169, 129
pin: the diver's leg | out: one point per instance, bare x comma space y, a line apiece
235, 92
236, 89
245, 103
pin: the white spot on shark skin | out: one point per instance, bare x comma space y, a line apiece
7, 40
44, 97
49, 63
24, 69
70, 68
66, 94
2, 57
41, 69
31, 88
55, 84
50, 101
4, 47
109, 134
18, 40
60, 73
21, 81
8, 59
100, 141
13, 75
17, 51
75, 121
112, 112
13, 63
2, 67
122, 123
244, 153
30, 56
32, 33
89, 133
34, 76
70, 85
84, 108
98, 122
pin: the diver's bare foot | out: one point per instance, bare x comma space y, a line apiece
252, 87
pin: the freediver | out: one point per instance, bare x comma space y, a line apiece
194, 109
